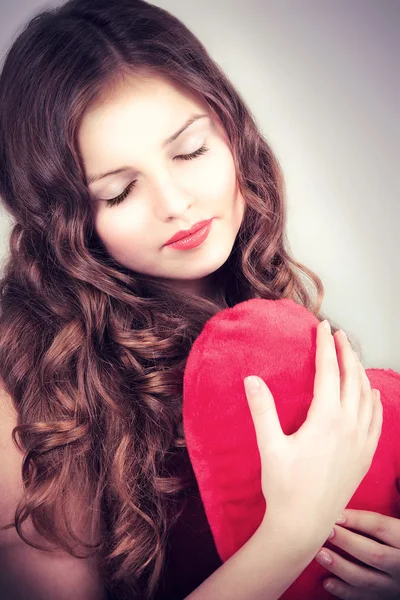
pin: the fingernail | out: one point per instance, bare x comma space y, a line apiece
252, 384
332, 534
324, 557
328, 585
326, 325
341, 519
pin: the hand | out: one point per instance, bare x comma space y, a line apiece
310, 476
379, 578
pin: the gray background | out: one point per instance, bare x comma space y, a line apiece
322, 80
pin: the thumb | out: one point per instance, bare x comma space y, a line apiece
263, 411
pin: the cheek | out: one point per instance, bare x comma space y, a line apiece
122, 233
227, 190
218, 179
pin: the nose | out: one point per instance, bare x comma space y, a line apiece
170, 201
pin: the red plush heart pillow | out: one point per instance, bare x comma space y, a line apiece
276, 340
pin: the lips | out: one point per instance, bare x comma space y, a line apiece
185, 233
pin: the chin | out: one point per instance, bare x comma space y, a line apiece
206, 265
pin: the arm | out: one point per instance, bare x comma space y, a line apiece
264, 567
27, 572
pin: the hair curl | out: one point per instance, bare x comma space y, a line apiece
91, 353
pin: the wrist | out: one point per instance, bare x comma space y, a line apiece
303, 534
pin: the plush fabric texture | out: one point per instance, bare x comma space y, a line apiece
275, 340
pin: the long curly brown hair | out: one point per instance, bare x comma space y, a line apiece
91, 353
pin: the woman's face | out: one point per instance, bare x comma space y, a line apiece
166, 193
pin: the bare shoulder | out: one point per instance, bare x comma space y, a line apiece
26, 571
10, 465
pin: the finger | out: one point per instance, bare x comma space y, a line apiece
350, 378
326, 391
263, 411
379, 556
355, 575
366, 399
375, 428
381, 527
340, 589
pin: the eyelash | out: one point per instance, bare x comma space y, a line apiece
121, 197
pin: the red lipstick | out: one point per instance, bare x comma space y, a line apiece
190, 238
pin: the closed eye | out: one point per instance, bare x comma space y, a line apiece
121, 197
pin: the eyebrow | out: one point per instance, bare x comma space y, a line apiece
166, 142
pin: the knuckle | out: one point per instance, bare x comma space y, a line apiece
367, 381
339, 590
379, 530
350, 428
358, 581
351, 370
349, 363
378, 557
353, 377
330, 359
351, 359
259, 409
357, 371
369, 582
363, 581
332, 366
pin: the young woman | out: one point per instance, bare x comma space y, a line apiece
117, 131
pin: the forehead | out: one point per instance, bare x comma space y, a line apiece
146, 103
